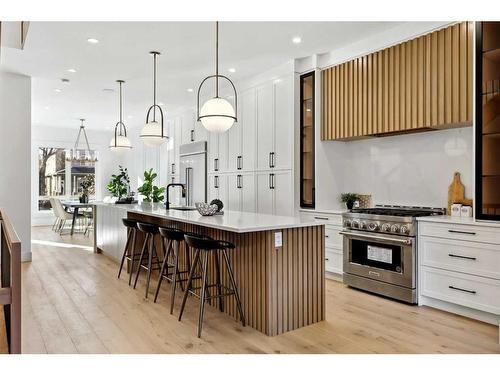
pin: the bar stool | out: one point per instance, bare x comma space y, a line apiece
174, 238
128, 254
208, 246
149, 249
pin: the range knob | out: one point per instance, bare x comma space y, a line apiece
347, 223
355, 224
394, 228
363, 225
404, 229
386, 227
373, 226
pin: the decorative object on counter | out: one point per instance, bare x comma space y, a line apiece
365, 200
81, 155
153, 133
120, 140
456, 192
466, 211
119, 184
349, 199
218, 203
456, 209
206, 209
148, 190
217, 114
88, 187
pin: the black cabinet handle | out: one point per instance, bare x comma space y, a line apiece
461, 257
216, 164
239, 162
320, 218
462, 290
192, 135
239, 184
272, 159
461, 232
327, 259
271, 181
173, 168
216, 182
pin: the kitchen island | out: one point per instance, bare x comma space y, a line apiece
278, 260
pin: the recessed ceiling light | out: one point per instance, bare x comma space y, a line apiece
57, 90
72, 70
130, 116
189, 90
232, 70
92, 40
47, 107
161, 103
296, 39
308, 110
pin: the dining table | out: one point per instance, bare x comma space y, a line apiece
76, 206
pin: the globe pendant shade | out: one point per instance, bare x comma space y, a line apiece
220, 115
151, 134
122, 143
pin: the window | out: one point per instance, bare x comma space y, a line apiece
60, 178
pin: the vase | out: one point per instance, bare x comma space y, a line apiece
349, 205
84, 198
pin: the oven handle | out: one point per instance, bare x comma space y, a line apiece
406, 241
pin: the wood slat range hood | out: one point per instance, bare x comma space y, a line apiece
420, 85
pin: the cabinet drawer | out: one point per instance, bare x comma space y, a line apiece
472, 291
327, 219
333, 261
333, 238
464, 232
480, 259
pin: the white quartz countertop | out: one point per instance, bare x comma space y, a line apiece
457, 220
324, 211
232, 221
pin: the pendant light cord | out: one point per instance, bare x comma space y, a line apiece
121, 100
154, 87
216, 59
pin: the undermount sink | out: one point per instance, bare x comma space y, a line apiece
183, 208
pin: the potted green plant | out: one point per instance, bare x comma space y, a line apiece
88, 187
149, 190
119, 184
349, 199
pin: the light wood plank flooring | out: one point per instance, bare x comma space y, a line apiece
73, 303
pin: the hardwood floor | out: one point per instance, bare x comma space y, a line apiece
73, 303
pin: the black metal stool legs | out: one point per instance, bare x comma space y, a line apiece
235, 288
217, 280
129, 234
174, 276
189, 282
202, 294
139, 265
164, 267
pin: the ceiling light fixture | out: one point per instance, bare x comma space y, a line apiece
232, 70
81, 155
296, 40
189, 90
92, 40
120, 140
72, 70
217, 114
161, 103
152, 133
57, 90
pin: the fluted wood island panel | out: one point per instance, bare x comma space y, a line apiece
282, 288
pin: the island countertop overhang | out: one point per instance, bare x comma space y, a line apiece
231, 221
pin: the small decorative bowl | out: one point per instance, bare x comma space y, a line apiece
206, 209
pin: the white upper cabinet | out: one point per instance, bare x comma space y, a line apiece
234, 145
213, 152
248, 192
283, 123
187, 128
200, 133
275, 193
248, 130
265, 128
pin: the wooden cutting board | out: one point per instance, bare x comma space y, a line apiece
456, 193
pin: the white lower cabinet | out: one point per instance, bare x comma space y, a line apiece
275, 193
459, 268
241, 192
334, 256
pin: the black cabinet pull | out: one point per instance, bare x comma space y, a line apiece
320, 218
461, 232
271, 175
462, 290
216, 182
238, 181
192, 135
327, 259
173, 168
272, 159
462, 257
239, 162
270, 182
216, 164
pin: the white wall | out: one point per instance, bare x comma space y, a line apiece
45, 136
15, 129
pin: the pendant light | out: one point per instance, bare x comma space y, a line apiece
153, 133
81, 155
120, 140
217, 114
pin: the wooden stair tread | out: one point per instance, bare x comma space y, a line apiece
4, 347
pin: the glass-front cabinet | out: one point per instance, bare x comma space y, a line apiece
488, 120
307, 184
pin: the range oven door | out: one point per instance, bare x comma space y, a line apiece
382, 257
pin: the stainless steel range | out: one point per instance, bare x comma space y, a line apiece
380, 249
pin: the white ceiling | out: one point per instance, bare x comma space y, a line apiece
187, 57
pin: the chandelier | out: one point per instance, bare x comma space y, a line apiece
81, 155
